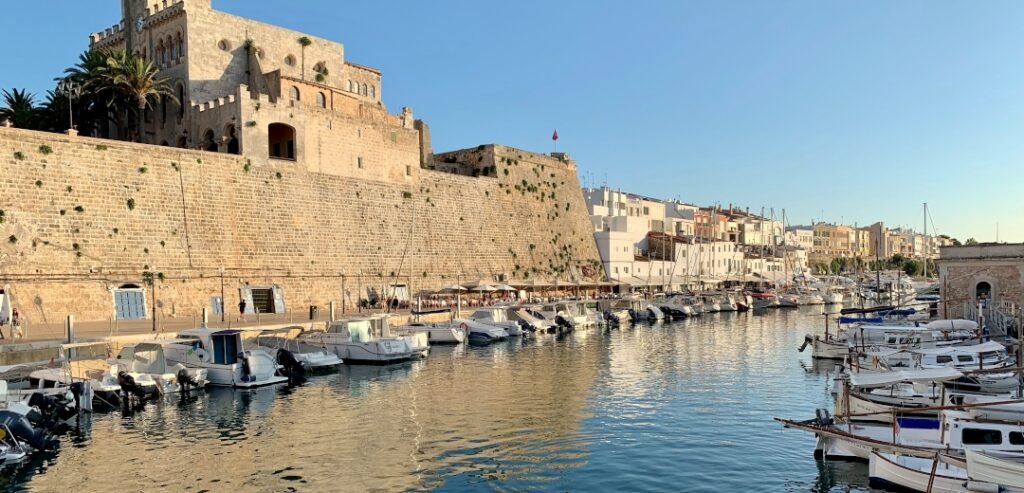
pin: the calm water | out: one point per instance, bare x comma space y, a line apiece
685, 406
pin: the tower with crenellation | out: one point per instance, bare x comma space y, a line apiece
276, 96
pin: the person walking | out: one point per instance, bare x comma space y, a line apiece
16, 325
241, 310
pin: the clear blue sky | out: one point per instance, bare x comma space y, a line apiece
854, 111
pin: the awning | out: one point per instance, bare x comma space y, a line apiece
909, 376
986, 347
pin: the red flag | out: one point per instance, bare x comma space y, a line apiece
554, 136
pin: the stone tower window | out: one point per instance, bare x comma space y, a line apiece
181, 101
209, 142
224, 45
373, 91
289, 60
181, 46
365, 92
293, 95
350, 85
321, 100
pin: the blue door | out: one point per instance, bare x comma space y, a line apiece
129, 304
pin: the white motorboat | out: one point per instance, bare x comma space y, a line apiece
481, 333
223, 355
497, 316
833, 298
878, 337
310, 357
419, 344
535, 321
1003, 469
362, 340
437, 333
146, 364
88, 372
787, 300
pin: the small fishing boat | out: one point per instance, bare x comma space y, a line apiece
223, 355
481, 333
1003, 469
917, 474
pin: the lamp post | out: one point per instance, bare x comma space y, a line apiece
73, 90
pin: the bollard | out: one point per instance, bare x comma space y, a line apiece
331, 314
206, 317
69, 326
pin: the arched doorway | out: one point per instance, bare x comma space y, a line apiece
281, 141
209, 141
232, 139
983, 291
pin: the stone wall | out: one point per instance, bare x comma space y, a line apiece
83, 216
963, 268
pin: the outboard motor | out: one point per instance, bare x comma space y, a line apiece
292, 367
22, 429
130, 388
49, 412
822, 417
185, 380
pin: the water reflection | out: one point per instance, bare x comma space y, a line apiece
664, 407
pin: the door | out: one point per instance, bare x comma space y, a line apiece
130, 304
263, 299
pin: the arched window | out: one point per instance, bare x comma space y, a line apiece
293, 93
181, 46
164, 143
232, 135
350, 85
364, 89
182, 142
321, 100
181, 101
173, 48
209, 141
373, 91
281, 141
160, 51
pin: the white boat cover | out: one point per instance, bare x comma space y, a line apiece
985, 347
955, 324
909, 376
530, 318
894, 328
1002, 469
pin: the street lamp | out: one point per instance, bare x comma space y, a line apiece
73, 90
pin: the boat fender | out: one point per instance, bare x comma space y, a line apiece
981, 487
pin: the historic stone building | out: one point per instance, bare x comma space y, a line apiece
988, 273
270, 94
281, 180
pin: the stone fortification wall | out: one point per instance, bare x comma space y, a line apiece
83, 216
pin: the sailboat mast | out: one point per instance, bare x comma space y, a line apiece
927, 244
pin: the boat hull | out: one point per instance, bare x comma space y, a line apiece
914, 474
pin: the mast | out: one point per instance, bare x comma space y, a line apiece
927, 244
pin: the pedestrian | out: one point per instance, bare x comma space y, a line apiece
16, 325
241, 310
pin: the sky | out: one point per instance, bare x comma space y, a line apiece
843, 111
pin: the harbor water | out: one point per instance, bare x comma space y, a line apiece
680, 406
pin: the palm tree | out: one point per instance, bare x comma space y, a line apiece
135, 79
99, 102
18, 107
304, 42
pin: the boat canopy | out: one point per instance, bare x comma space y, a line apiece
954, 324
883, 379
895, 328
986, 347
146, 357
229, 332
